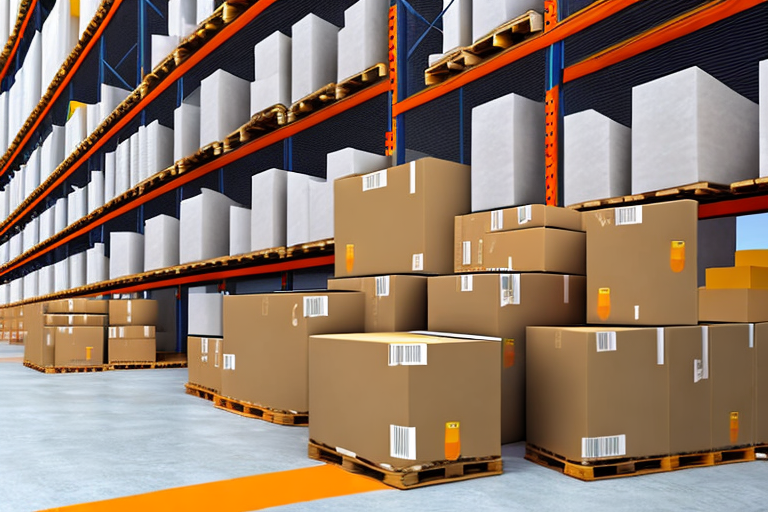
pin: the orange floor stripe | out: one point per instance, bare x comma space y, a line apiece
243, 494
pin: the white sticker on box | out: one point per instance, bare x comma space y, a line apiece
204, 345
608, 446
660, 345
113, 332
705, 352
509, 287
147, 331
466, 253
375, 180
413, 177
128, 308
70, 319
315, 306
48, 339
407, 354
627, 215
566, 289
751, 335
497, 220
698, 370
348, 453
229, 361
402, 442
71, 305
418, 262
121, 332
637, 312
216, 355
466, 283
382, 286
524, 214
605, 341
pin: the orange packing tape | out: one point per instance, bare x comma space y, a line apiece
509, 353
350, 258
677, 256
604, 303
734, 428
452, 440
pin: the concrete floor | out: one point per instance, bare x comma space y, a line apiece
74, 438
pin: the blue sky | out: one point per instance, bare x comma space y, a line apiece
752, 232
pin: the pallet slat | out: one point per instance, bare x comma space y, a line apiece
200, 391
701, 190
250, 410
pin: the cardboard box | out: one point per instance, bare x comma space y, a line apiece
266, 353
78, 346
204, 359
392, 303
127, 350
761, 384
535, 250
36, 350
642, 264
503, 305
76, 320
78, 306
737, 277
736, 305
131, 332
751, 258
731, 370
417, 402
595, 393
399, 220
133, 312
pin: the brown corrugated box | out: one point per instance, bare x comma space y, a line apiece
131, 332
78, 346
737, 277
204, 360
266, 351
590, 398
642, 270
761, 384
455, 393
59, 320
79, 306
35, 349
133, 312
751, 258
399, 220
502, 305
536, 250
392, 303
736, 305
131, 350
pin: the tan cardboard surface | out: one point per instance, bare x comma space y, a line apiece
133, 312
79, 306
61, 320
127, 350
205, 366
733, 305
131, 332
536, 250
79, 346
761, 384
752, 258
737, 277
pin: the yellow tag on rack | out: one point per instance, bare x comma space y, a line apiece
677, 256
452, 440
604, 303
74, 105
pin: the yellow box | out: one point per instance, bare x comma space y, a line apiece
752, 258
755, 278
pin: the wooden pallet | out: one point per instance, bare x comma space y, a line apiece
617, 468
312, 248
200, 391
312, 102
250, 410
361, 80
761, 452
498, 40
420, 476
750, 186
146, 365
66, 369
698, 191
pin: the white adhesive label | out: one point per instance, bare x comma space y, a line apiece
637, 312
407, 354
660, 345
315, 306
121, 332
497, 220
524, 214
402, 442
608, 446
348, 453
509, 287
113, 332
466, 283
147, 331
413, 177
751, 335
629, 215
418, 262
128, 308
566, 289
466, 253
229, 361
375, 180
605, 341
71, 305
204, 345
705, 352
216, 355
698, 370
49, 339
70, 319
382, 286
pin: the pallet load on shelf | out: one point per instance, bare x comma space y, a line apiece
693, 124
126, 254
225, 101
205, 344
132, 326
269, 209
314, 47
204, 226
489, 14
162, 46
403, 421
97, 266
738, 293
362, 42
297, 216
272, 72
186, 126
239, 230
161, 242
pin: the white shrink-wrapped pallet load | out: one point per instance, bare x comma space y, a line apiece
457, 24
239, 230
4, 204
597, 158
31, 285
60, 35
61, 211
87, 12
15, 245
225, 102
126, 254
158, 151
93, 118
123, 167
135, 160
489, 14
186, 123
5, 251
95, 191
314, 44
52, 153
77, 270
75, 130
507, 153
204, 226
31, 235
110, 176
45, 280
688, 127
204, 9
111, 97
61, 275
764, 119
32, 84
5, 14
32, 173
182, 17
97, 264
161, 242
340, 163
363, 42
4, 141
47, 229
77, 204
272, 65
205, 314
162, 47
268, 209
17, 290
17, 187
297, 218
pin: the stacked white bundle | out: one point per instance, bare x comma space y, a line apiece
5, 294
111, 97
77, 270
126, 254
182, 17
135, 160
123, 167
689, 127
31, 285
205, 314
45, 280
59, 38
17, 188
15, 246
313, 55
297, 218
47, 229
61, 276
93, 118
32, 173
157, 152
363, 41
204, 226
340, 163
204, 9
507, 153
31, 235
5, 251
162, 47
5, 14
97, 264
161, 242
75, 130
87, 12
224, 104
272, 65
60, 212
597, 158
4, 141
764, 119
489, 14
32, 82
95, 191
17, 290
4, 203
268, 209
110, 175
77, 204
239, 230
52, 153
457, 24
186, 123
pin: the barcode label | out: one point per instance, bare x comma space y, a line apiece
466, 283
316, 306
566, 289
524, 214
204, 345
402, 442
382, 286
375, 180
660, 345
229, 361
413, 177
466, 253
629, 215
418, 262
113, 332
609, 446
497, 220
407, 354
606, 341
509, 285
216, 357
698, 370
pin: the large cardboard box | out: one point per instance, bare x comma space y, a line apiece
399, 220
595, 393
78, 346
131, 332
392, 303
127, 350
536, 250
267, 342
503, 305
735, 305
731, 370
78, 307
36, 350
133, 312
751, 258
642, 264
59, 320
761, 384
737, 277
204, 359
405, 411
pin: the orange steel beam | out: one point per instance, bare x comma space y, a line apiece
19, 37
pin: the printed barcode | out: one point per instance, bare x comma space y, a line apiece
629, 215
698, 370
606, 341
524, 214
402, 442
229, 361
509, 285
382, 286
466, 253
497, 220
216, 357
418, 262
204, 345
407, 354
466, 283
609, 446
316, 306
375, 180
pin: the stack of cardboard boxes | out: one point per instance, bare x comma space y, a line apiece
132, 331
738, 293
